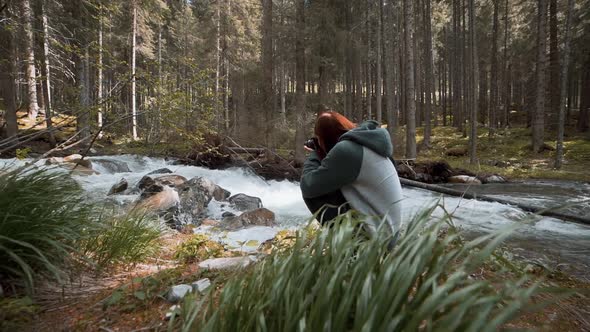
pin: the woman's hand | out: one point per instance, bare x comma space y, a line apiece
307, 149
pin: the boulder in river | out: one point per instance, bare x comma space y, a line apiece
493, 179
464, 179
160, 171
113, 166
118, 187
72, 158
54, 161
149, 185
162, 201
218, 193
78, 169
243, 202
257, 217
69, 161
194, 197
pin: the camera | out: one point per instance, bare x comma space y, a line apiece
312, 143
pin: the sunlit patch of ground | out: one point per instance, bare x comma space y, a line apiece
507, 153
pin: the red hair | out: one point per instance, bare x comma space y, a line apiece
329, 126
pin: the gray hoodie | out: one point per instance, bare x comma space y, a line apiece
359, 165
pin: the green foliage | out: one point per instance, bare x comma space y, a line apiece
14, 312
125, 239
344, 282
46, 225
198, 248
22, 153
42, 215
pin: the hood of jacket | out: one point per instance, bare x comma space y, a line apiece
371, 135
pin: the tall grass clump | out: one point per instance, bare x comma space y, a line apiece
47, 226
123, 239
345, 282
42, 215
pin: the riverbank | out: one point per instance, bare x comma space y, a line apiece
134, 298
507, 154
161, 270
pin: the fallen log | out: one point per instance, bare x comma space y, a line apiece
551, 212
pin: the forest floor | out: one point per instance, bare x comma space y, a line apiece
508, 153
133, 299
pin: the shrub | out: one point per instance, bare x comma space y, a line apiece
197, 248
344, 282
42, 215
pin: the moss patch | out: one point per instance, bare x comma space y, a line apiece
507, 153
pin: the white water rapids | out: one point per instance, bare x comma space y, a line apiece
551, 241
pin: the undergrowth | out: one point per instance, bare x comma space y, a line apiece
47, 227
341, 281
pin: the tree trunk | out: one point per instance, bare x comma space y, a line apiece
267, 69
100, 73
133, 78
84, 86
410, 84
583, 121
7, 77
564, 79
554, 83
507, 73
218, 115
226, 66
538, 121
494, 73
47, 74
429, 74
483, 91
368, 76
33, 107
300, 82
472, 80
379, 76
456, 56
388, 47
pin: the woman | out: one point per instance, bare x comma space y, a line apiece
357, 162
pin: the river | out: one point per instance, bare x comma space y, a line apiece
545, 240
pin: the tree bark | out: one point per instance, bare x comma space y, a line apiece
554, 72
7, 78
389, 47
379, 78
493, 119
429, 74
409, 73
583, 120
99, 96
368, 76
33, 107
267, 69
473, 90
300, 82
47, 74
538, 121
507, 73
133, 78
564, 79
218, 115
